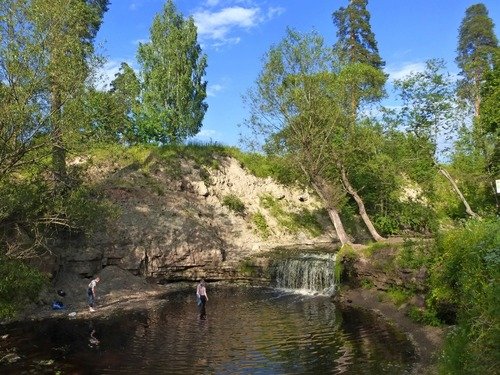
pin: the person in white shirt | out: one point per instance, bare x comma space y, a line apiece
91, 293
201, 293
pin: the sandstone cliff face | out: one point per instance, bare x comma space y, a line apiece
175, 226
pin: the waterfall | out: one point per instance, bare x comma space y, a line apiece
306, 273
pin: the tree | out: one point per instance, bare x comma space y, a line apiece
293, 107
476, 45
126, 89
429, 113
173, 66
361, 83
101, 117
22, 102
489, 117
363, 78
66, 30
45, 59
356, 41
478, 149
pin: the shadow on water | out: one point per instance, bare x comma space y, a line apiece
242, 331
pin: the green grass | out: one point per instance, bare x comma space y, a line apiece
261, 224
398, 296
266, 166
291, 221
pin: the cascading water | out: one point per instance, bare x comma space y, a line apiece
305, 273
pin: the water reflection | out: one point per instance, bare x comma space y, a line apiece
247, 331
93, 340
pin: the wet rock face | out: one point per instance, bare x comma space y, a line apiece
177, 228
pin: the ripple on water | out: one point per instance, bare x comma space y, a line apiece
246, 331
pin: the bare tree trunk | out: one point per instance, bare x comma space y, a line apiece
339, 227
459, 193
361, 206
334, 217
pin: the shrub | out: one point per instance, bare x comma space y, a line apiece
293, 222
466, 274
406, 217
234, 203
268, 166
261, 224
19, 285
398, 296
414, 254
424, 316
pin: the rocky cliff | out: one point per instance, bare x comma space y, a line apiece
176, 223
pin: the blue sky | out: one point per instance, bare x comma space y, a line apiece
235, 34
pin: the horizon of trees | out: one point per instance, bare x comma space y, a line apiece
309, 104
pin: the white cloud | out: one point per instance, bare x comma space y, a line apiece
275, 12
134, 5
212, 90
217, 25
206, 135
403, 70
221, 26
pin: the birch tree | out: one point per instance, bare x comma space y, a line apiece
173, 70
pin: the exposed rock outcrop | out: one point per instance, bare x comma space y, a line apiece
178, 228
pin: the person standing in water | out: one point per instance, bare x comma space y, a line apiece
201, 294
91, 293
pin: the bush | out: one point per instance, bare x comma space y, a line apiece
293, 222
466, 274
414, 255
268, 166
261, 224
19, 284
234, 203
424, 316
406, 217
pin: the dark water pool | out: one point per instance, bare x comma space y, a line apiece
246, 331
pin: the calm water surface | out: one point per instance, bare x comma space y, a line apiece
245, 331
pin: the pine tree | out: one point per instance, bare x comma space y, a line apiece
356, 40
476, 45
362, 68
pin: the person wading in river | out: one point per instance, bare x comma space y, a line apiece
201, 294
91, 293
